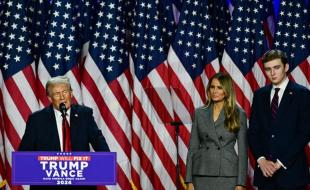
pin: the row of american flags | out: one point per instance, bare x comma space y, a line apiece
141, 65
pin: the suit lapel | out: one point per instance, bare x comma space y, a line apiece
53, 125
74, 123
286, 99
266, 102
210, 127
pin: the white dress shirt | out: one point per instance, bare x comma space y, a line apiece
59, 124
282, 87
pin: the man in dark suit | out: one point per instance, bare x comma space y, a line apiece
279, 129
44, 129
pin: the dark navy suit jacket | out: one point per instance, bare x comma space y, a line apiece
41, 134
283, 138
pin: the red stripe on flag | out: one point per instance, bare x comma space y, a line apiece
307, 150
180, 91
121, 97
9, 128
17, 98
106, 114
146, 165
109, 118
249, 186
135, 177
101, 188
243, 101
76, 72
157, 104
121, 176
252, 80
31, 78
155, 140
200, 88
9, 177
163, 71
209, 70
305, 68
41, 93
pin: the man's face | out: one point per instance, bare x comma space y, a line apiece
276, 71
60, 93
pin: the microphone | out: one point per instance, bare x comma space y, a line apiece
63, 108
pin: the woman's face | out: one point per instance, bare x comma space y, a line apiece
216, 91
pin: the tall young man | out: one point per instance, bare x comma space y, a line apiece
279, 128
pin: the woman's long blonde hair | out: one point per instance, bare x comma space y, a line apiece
231, 112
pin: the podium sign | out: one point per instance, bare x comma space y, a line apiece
64, 168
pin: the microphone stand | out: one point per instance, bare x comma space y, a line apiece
177, 124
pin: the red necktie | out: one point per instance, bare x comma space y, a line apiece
66, 140
274, 103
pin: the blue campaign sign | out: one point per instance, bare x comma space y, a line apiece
64, 168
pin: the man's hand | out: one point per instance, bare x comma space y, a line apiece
190, 186
239, 187
268, 167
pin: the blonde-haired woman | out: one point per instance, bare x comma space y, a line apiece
212, 162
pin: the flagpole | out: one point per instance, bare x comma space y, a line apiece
177, 124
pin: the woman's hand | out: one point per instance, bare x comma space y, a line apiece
190, 186
239, 187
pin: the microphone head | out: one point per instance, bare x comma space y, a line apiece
63, 108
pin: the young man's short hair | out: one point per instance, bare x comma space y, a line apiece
275, 54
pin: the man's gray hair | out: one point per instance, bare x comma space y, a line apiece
57, 80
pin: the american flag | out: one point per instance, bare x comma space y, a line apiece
192, 61
18, 98
220, 20
246, 44
136, 96
2, 151
106, 83
154, 152
62, 44
292, 36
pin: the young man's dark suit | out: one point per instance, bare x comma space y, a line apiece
283, 138
41, 135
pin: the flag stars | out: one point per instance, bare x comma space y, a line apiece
56, 66
12, 36
9, 46
7, 56
14, 26
56, 14
187, 54
48, 54
17, 16
19, 49
5, 66
109, 68
68, 5
58, 4
102, 56
302, 46
67, 58
58, 56
17, 58
111, 58
59, 45
141, 67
